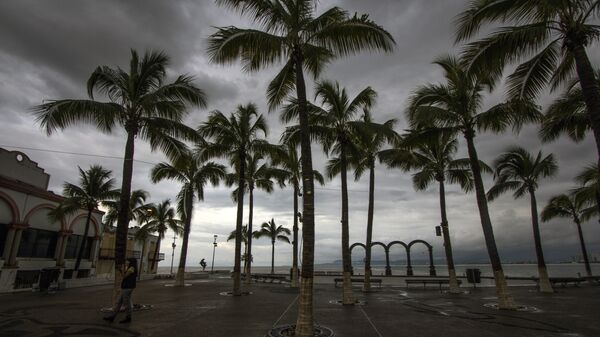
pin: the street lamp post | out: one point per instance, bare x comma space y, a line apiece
212, 266
173, 254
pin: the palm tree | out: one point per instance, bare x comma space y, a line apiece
569, 206
236, 137
455, 106
142, 104
244, 241
517, 170
371, 138
95, 187
136, 208
258, 175
433, 153
589, 189
159, 218
292, 33
556, 33
274, 232
332, 125
193, 173
567, 115
289, 168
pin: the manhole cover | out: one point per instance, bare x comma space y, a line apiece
288, 331
356, 302
229, 293
521, 308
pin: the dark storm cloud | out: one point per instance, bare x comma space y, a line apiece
49, 48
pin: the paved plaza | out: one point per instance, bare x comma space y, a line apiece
393, 310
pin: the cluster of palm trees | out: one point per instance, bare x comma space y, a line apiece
546, 39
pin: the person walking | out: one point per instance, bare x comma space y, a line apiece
127, 286
203, 264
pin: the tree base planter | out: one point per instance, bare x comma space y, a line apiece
230, 293
340, 302
136, 307
175, 285
520, 308
288, 330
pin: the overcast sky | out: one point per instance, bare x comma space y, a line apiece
48, 49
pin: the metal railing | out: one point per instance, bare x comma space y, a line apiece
109, 254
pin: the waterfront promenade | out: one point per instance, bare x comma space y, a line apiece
200, 310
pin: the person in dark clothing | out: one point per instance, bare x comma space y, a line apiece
203, 264
127, 285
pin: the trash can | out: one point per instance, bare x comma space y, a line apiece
473, 275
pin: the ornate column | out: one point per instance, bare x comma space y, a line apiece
12, 258
388, 268
62, 248
94, 250
431, 266
10, 237
409, 270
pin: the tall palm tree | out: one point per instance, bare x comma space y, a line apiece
291, 32
567, 115
455, 106
556, 33
517, 170
142, 104
589, 189
236, 137
332, 125
289, 168
259, 174
95, 187
371, 138
193, 173
569, 206
159, 218
272, 231
433, 157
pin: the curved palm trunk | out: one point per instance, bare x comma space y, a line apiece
180, 277
272, 256
305, 320
453, 282
347, 298
367, 283
84, 239
591, 92
598, 203
505, 299
586, 261
237, 291
545, 285
249, 244
155, 253
123, 217
295, 245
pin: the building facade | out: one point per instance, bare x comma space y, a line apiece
31, 243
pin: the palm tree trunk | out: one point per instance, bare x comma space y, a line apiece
545, 285
305, 320
83, 241
598, 203
272, 256
237, 291
586, 261
156, 248
591, 92
249, 245
505, 299
367, 283
347, 298
142, 260
295, 245
123, 217
180, 277
453, 282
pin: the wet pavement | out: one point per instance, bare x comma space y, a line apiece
201, 310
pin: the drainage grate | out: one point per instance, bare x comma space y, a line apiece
288, 331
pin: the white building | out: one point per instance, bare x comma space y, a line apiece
29, 242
